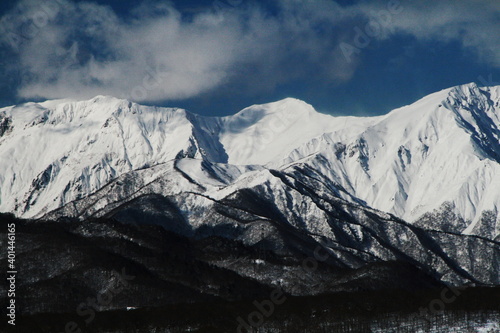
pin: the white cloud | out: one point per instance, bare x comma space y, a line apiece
83, 49
474, 23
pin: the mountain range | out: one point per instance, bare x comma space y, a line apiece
406, 200
439, 155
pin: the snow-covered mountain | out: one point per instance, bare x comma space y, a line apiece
437, 157
202, 209
442, 151
289, 212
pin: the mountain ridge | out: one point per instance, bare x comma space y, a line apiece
390, 162
154, 193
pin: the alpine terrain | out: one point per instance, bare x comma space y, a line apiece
206, 209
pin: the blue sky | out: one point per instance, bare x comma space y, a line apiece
217, 57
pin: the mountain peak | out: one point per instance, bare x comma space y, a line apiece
291, 106
470, 85
464, 91
295, 102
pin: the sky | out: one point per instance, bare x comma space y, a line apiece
216, 57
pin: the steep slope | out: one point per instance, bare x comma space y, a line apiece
436, 157
55, 152
214, 211
440, 151
290, 213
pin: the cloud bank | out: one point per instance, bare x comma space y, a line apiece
156, 53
